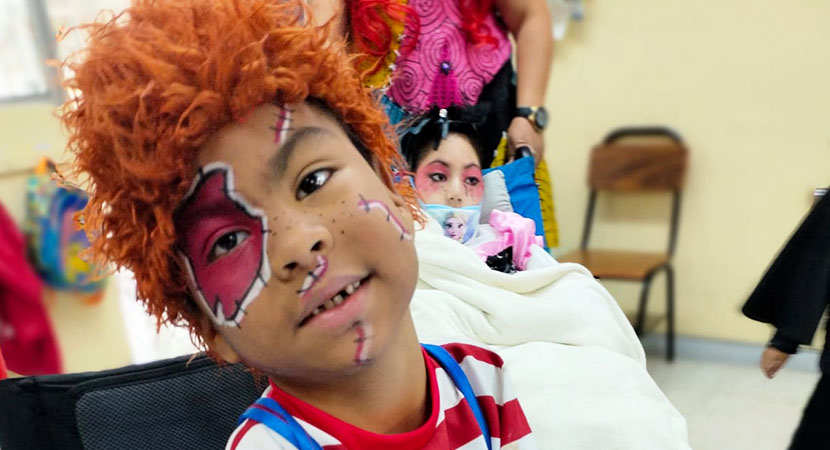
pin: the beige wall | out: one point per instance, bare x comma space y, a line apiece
91, 337
747, 83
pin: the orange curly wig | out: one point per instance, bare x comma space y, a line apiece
155, 82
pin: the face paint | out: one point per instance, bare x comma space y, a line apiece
444, 183
368, 205
364, 339
314, 276
431, 178
224, 242
451, 174
473, 184
281, 126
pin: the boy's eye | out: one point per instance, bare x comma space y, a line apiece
473, 181
313, 181
226, 243
437, 177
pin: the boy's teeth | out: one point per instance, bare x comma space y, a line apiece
352, 287
337, 299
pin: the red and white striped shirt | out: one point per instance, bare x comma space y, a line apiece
451, 425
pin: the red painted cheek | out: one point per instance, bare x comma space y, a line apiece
227, 283
474, 192
425, 186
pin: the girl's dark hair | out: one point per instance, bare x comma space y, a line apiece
427, 132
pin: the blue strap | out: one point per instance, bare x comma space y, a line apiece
281, 422
275, 417
460, 379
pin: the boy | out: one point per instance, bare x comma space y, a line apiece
238, 168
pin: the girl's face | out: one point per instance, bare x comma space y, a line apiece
294, 248
450, 175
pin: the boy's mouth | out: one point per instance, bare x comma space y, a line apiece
334, 301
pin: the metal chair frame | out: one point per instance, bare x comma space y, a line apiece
667, 267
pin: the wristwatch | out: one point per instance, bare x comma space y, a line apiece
537, 115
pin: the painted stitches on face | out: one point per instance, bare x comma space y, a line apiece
368, 205
223, 241
314, 276
364, 339
283, 122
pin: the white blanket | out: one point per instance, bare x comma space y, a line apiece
575, 362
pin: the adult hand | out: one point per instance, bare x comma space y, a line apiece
771, 360
521, 132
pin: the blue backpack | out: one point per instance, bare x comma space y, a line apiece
55, 242
269, 413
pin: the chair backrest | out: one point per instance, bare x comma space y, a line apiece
175, 403
638, 159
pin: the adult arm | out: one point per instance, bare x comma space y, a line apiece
777, 353
793, 293
530, 24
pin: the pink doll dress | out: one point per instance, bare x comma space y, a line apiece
514, 231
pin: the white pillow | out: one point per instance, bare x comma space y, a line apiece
495, 195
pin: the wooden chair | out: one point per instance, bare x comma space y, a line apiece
629, 160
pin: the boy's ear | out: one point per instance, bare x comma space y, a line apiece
217, 343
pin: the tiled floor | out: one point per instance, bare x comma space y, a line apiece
733, 406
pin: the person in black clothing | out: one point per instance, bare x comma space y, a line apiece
792, 296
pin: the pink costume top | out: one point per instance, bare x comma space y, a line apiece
444, 69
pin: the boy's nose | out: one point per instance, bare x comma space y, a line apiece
295, 251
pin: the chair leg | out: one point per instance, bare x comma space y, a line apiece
641, 312
669, 313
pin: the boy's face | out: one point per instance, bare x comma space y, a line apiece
450, 175
296, 250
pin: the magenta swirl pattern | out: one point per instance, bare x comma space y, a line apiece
442, 42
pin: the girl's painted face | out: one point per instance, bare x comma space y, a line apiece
297, 251
450, 175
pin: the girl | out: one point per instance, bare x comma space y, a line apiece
445, 156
